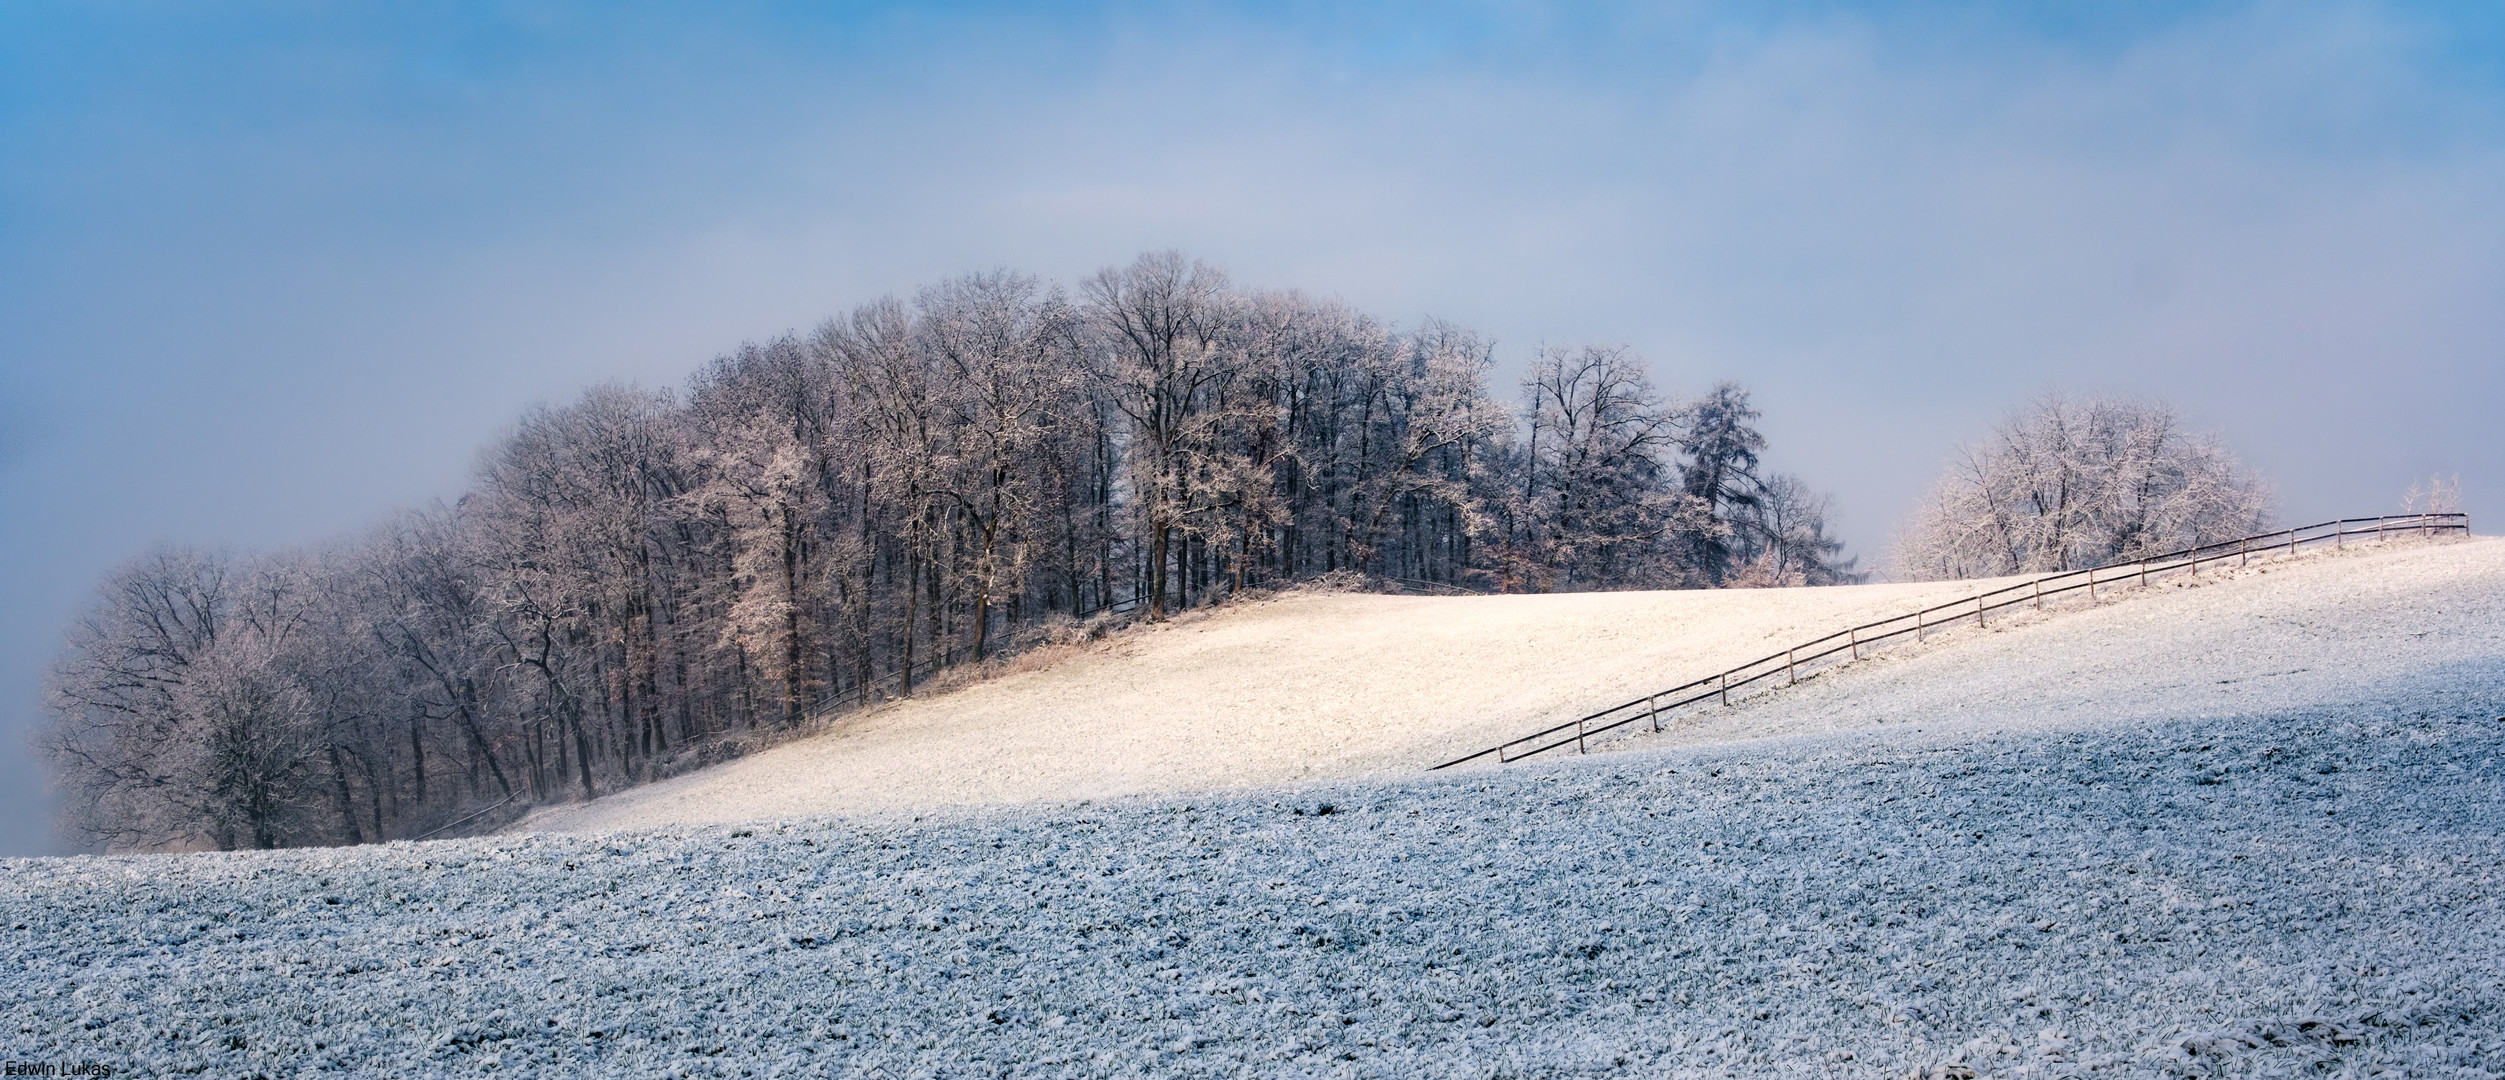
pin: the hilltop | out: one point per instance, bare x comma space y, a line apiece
1293, 687
1322, 686
2254, 827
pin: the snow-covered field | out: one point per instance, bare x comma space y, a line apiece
1314, 687
2293, 893
2365, 625
2077, 866
1301, 687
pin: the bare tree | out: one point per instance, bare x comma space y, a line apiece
2437, 494
638, 579
1782, 540
180, 719
1157, 325
1008, 373
892, 385
441, 613
2062, 485
567, 506
1597, 505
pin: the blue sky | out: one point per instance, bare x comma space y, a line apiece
269, 271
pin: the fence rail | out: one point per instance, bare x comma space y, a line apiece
480, 813
1852, 642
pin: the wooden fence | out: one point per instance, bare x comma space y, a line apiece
1850, 643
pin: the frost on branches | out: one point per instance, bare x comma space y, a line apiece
643, 581
2065, 484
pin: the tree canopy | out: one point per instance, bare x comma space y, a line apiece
639, 580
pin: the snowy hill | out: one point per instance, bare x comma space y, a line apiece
2252, 828
2319, 630
1301, 687
2315, 892
1310, 687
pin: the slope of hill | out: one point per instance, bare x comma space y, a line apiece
2024, 851
2313, 892
1308, 687
2324, 629
1303, 686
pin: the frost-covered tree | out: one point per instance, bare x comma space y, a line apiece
121, 740
1156, 328
2437, 494
1718, 444
1781, 539
893, 385
638, 580
2064, 484
1009, 376
448, 708
567, 505
764, 455
181, 714
1599, 503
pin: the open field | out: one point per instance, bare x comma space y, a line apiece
2279, 894
1296, 688
1334, 686
2262, 833
2372, 625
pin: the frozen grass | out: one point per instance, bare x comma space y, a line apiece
2267, 839
2285, 894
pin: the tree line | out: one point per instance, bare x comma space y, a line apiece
638, 576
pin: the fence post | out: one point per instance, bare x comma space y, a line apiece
2425, 524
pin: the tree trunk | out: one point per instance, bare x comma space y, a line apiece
913, 581
582, 747
347, 803
795, 668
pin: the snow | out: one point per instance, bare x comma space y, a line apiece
1312, 687
2323, 629
2257, 895
2008, 853
1297, 688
